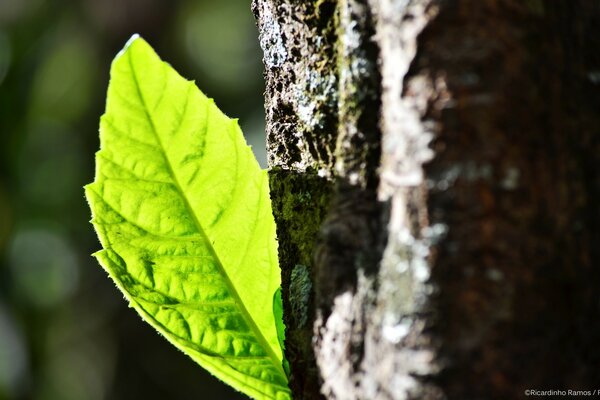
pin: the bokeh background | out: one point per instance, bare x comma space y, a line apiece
65, 331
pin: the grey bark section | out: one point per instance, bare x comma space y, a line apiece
298, 40
353, 234
400, 353
435, 185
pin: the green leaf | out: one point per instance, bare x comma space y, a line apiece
183, 213
278, 313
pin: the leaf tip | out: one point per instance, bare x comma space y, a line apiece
135, 37
132, 39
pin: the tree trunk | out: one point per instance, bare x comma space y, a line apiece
434, 176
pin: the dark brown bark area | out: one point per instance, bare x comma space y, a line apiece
435, 175
515, 154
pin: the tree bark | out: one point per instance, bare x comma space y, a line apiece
434, 177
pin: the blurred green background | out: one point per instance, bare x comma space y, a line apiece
65, 331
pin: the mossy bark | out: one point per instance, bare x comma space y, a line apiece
434, 176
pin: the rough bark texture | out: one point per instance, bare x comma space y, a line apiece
434, 175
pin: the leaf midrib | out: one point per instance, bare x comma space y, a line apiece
261, 339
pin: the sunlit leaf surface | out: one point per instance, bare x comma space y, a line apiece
183, 213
